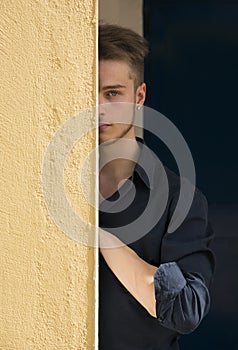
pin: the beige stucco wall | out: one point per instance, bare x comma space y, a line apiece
48, 74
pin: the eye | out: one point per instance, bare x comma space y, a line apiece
112, 93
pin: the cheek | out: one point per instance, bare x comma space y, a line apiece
123, 112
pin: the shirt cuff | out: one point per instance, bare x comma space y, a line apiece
168, 281
181, 302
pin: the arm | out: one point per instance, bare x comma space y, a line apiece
187, 265
177, 291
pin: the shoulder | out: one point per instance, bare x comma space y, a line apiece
185, 200
177, 183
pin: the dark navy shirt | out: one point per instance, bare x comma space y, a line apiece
185, 262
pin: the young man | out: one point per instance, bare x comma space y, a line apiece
154, 288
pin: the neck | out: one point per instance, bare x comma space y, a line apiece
117, 163
118, 159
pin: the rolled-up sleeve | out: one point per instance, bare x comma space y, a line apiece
187, 264
181, 302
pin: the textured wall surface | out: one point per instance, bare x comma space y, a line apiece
48, 73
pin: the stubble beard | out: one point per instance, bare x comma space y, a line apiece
124, 133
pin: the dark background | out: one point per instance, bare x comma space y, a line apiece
192, 75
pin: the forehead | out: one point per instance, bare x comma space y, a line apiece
110, 70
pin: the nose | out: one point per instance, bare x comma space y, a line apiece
101, 103
101, 98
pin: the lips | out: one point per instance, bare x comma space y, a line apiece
103, 125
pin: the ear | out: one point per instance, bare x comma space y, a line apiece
141, 94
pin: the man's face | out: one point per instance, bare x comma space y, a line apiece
115, 86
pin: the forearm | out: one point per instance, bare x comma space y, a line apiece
134, 273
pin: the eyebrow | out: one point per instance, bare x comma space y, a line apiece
118, 86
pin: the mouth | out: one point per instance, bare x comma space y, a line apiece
103, 125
